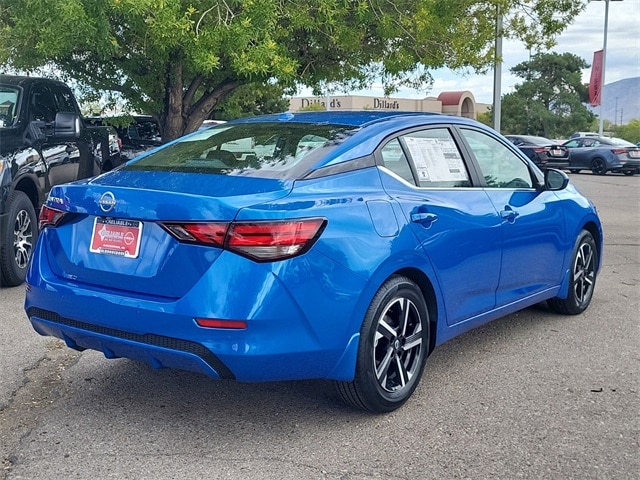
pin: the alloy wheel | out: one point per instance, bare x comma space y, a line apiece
397, 344
22, 238
584, 273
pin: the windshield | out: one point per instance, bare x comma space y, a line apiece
274, 150
8, 102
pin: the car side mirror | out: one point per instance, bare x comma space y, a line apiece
555, 179
67, 125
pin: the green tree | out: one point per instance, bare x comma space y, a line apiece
550, 101
249, 100
629, 131
179, 59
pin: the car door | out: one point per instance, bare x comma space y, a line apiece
62, 157
455, 222
532, 220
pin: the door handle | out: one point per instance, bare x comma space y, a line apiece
424, 218
509, 214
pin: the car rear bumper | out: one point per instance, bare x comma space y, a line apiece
283, 339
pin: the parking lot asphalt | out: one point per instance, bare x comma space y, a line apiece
532, 395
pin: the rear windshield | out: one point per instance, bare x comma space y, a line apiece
275, 150
8, 105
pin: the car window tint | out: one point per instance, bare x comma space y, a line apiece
254, 149
395, 160
436, 158
42, 106
500, 167
64, 99
8, 102
572, 144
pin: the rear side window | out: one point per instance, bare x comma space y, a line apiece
395, 160
436, 158
274, 150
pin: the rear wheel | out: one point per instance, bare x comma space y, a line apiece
20, 234
583, 277
394, 343
629, 172
598, 166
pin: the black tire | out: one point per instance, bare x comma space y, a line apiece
394, 345
20, 234
583, 277
598, 166
629, 173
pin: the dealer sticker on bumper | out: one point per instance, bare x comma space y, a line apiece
113, 236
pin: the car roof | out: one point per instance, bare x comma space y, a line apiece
23, 81
350, 118
531, 138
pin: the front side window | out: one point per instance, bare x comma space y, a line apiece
8, 105
500, 167
42, 105
64, 99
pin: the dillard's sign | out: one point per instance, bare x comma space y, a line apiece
378, 103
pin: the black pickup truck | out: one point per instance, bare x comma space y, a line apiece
43, 142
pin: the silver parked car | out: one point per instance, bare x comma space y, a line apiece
603, 154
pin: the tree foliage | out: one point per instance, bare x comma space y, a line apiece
179, 59
629, 131
550, 102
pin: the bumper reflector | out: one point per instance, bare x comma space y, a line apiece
217, 323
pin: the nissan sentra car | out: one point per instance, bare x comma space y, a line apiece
333, 245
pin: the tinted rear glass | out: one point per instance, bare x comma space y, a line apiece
274, 150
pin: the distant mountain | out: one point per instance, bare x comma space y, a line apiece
621, 100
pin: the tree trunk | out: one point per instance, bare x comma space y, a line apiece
172, 118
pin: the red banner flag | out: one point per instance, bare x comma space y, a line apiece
595, 87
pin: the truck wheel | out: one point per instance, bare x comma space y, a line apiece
20, 234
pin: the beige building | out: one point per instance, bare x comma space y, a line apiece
459, 103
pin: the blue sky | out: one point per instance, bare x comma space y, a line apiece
582, 38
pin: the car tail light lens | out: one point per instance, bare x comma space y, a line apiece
49, 217
262, 241
205, 233
618, 151
540, 150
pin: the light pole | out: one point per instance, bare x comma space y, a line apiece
497, 72
604, 63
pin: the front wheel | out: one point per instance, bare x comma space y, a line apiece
598, 166
629, 173
582, 282
20, 234
394, 344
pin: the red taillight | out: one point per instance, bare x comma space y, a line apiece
206, 233
618, 151
261, 240
119, 143
540, 150
49, 217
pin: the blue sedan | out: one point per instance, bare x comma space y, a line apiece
324, 245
